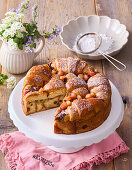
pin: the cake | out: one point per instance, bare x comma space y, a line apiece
82, 94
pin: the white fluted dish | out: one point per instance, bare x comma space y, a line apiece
98, 24
39, 126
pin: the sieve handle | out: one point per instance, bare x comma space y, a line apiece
109, 58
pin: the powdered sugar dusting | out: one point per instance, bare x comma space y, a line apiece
75, 83
37, 79
82, 91
97, 80
54, 83
43, 69
106, 45
82, 105
72, 62
62, 64
87, 44
58, 84
102, 91
70, 76
81, 66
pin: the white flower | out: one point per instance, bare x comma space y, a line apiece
6, 33
12, 33
11, 13
14, 16
16, 25
3, 27
1, 38
9, 32
8, 20
12, 45
11, 82
20, 16
27, 48
19, 34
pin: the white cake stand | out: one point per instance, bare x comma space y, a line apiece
39, 126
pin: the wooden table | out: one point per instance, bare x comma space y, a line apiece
58, 12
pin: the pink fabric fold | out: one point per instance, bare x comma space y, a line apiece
23, 153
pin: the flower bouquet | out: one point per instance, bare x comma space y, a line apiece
20, 38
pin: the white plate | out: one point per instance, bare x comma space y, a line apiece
39, 126
94, 23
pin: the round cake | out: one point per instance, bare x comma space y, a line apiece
82, 94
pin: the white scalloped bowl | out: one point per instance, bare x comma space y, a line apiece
98, 24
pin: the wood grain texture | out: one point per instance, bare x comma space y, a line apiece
3, 164
121, 9
0, 68
3, 8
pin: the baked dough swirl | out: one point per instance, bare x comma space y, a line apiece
82, 94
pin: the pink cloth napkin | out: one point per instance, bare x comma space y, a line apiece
23, 153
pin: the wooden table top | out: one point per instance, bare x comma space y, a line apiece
59, 12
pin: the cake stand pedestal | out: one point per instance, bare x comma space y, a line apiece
66, 150
39, 126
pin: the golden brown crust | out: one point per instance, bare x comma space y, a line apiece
43, 70
54, 83
33, 80
99, 84
98, 79
72, 64
37, 75
62, 64
81, 125
70, 76
87, 69
74, 83
82, 91
88, 105
94, 122
80, 67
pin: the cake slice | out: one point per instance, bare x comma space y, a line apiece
38, 96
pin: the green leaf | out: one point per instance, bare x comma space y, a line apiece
37, 34
1, 33
1, 81
24, 40
34, 45
2, 75
5, 77
25, 24
46, 35
30, 28
9, 36
16, 40
20, 46
34, 26
24, 33
8, 27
